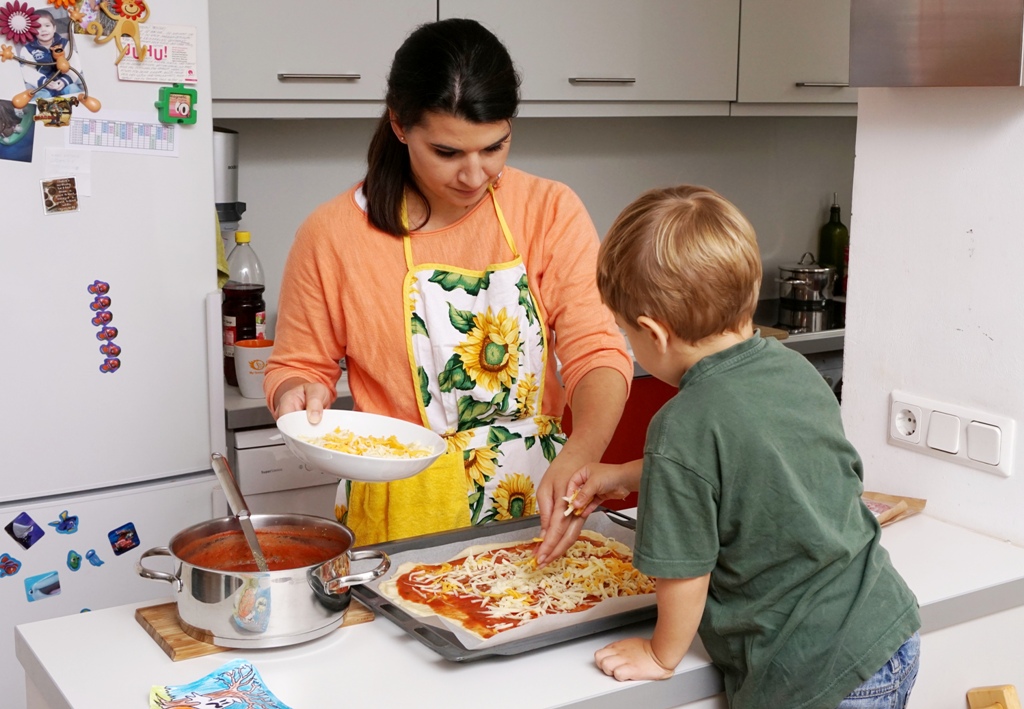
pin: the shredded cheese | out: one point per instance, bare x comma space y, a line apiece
346, 441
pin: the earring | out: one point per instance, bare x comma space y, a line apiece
401, 138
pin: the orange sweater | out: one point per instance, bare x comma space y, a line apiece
341, 295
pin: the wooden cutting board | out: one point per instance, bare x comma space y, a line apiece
161, 622
777, 333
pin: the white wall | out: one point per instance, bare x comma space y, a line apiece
780, 171
935, 262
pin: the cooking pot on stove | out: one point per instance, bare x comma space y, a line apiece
806, 281
222, 598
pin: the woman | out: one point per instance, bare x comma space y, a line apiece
444, 279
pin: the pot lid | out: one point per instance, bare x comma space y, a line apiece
807, 264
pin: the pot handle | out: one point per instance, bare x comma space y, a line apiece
156, 575
339, 584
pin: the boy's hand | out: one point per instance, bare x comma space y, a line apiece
632, 658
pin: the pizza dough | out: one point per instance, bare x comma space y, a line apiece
490, 588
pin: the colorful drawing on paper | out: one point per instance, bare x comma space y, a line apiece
237, 685
24, 530
123, 539
42, 586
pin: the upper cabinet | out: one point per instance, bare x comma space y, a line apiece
609, 57
266, 63
795, 52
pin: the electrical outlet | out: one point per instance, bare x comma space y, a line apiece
951, 432
905, 422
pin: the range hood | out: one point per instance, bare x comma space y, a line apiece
936, 42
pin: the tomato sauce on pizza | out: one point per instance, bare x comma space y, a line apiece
496, 589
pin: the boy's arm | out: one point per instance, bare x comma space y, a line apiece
680, 607
590, 486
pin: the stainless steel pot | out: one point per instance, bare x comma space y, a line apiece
252, 609
806, 281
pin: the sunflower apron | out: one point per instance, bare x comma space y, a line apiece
477, 352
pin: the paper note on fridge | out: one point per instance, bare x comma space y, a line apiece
170, 56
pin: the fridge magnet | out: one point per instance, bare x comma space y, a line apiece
24, 530
123, 539
110, 349
177, 104
42, 586
55, 112
100, 302
74, 560
59, 195
93, 558
9, 566
102, 318
237, 683
126, 15
50, 66
65, 524
17, 132
107, 333
110, 365
99, 288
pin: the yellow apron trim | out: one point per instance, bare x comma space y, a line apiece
432, 501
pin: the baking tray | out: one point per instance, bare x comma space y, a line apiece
444, 642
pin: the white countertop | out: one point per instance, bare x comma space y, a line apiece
105, 659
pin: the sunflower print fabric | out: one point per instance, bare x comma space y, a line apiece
478, 352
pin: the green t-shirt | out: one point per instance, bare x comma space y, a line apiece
748, 475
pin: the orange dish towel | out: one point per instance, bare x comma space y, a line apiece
431, 501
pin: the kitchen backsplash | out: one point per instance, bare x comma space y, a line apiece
780, 171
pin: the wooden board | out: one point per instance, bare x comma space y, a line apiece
903, 507
777, 333
161, 622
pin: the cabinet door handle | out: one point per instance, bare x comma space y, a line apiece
319, 77
600, 80
825, 84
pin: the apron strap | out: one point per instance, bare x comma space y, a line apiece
505, 231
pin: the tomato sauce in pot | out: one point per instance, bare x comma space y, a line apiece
284, 548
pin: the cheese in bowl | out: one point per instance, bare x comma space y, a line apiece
359, 446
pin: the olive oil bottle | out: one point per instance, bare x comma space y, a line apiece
833, 246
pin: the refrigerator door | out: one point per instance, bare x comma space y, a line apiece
127, 267
76, 554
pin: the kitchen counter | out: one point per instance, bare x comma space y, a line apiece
240, 412
105, 659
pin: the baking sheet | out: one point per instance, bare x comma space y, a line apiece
454, 644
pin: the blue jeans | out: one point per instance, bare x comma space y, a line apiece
890, 687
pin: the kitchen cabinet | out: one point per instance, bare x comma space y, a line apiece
607, 57
269, 62
795, 52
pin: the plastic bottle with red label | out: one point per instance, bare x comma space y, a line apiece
243, 311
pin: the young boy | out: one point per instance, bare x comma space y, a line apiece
750, 514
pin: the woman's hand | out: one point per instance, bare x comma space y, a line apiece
632, 658
588, 487
299, 395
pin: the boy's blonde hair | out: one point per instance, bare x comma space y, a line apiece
684, 256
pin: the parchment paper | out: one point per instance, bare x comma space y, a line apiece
545, 624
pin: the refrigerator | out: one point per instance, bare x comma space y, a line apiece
113, 387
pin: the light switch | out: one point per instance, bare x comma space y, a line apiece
983, 442
944, 432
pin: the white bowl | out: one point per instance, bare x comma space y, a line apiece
294, 427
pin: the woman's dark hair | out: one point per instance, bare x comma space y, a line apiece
455, 67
